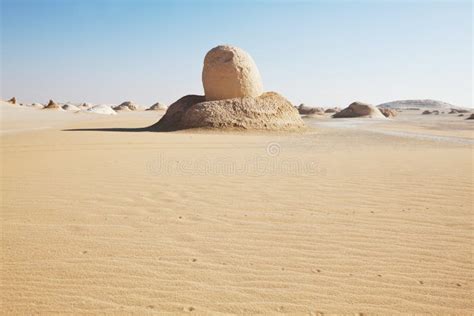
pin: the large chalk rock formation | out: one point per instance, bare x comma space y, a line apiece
233, 100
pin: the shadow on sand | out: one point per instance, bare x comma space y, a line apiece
113, 129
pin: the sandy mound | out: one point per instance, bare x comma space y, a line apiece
52, 106
85, 106
456, 111
102, 109
70, 107
35, 106
332, 110
157, 107
12, 100
307, 110
388, 112
270, 111
359, 109
428, 112
230, 72
239, 75
126, 106
471, 117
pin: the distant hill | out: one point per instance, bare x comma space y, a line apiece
401, 104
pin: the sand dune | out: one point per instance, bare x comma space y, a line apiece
334, 220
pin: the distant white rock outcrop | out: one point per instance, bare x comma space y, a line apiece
360, 109
70, 107
127, 106
53, 106
157, 107
427, 103
35, 105
102, 109
307, 110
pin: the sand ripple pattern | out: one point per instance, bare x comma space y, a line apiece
387, 228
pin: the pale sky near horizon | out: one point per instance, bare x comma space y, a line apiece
321, 53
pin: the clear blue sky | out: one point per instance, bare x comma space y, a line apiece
322, 53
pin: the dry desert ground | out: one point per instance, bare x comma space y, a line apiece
347, 216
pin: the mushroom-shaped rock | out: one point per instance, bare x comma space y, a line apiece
359, 109
230, 72
233, 100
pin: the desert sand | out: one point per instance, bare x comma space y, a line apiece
348, 216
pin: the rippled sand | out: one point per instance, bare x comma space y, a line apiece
335, 220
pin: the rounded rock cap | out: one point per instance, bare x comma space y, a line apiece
230, 72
